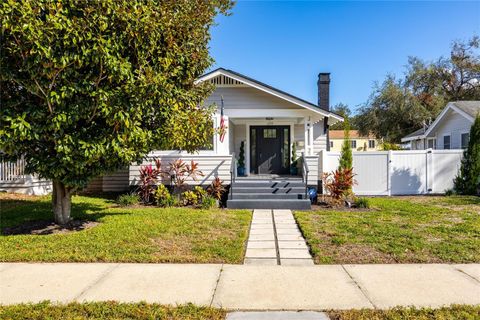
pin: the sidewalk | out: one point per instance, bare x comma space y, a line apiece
244, 287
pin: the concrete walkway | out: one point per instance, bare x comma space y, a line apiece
275, 239
244, 287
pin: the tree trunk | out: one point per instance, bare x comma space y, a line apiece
62, 202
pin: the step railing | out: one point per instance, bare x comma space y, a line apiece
233, 174
305, 172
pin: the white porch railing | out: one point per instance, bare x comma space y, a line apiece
12, 171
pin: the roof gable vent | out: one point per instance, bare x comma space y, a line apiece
224, 81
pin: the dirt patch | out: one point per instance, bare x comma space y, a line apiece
179, 246
327, 207
43, 227
18, 196
352, 252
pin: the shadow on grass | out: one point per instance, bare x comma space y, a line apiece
38, 212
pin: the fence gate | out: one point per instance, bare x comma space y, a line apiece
406, 172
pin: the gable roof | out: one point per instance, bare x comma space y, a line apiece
467, 109
472, 108
414, 135
269, 89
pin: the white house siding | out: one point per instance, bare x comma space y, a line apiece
115, 182
319, 138
299, 135
313, 173
231, 136
247, 98
454, 125
212, 166
239, 133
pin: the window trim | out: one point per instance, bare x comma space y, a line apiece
449, 141
370, 144
434, 143
461, 142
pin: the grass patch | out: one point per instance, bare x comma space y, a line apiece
108, 310
455, 312
396, 230
125, 234
115, 310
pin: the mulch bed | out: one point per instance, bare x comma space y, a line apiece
45, 227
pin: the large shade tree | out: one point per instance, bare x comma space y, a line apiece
399, 106
88, 87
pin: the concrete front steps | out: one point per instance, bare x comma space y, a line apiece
268, 194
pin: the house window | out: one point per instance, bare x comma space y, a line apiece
446, 142
431, 143
269, 133
465, 140
353, 144
371, 144
331, 144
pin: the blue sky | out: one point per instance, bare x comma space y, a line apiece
287, 43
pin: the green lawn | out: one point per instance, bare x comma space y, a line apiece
108, 310
140, 234
459, 312
114, 310
396, 230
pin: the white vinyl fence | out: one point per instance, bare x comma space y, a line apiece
406, 172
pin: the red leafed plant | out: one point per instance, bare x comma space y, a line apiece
216, 188
181, 171
339, 183
149, 176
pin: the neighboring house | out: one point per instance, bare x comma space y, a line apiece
268, 121
357, 141
450, 130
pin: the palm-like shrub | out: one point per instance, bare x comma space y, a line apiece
339, 184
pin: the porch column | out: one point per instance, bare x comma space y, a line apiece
221, 148
308, 136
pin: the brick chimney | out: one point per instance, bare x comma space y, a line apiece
323, 84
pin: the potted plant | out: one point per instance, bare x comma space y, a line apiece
241, 160
293, 164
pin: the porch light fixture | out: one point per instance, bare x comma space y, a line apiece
268, 118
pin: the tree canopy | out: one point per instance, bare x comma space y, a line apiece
344, 110
89, 87
399, 106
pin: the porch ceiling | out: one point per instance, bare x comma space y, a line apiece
269, 120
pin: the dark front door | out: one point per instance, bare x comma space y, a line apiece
269, 149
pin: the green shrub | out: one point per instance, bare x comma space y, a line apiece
362, 203
449, 192
190, 198
128, 199
468, 179
162, 196
200, 192
346, 157
209, 202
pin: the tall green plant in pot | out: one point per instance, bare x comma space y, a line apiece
293, 164
241, 160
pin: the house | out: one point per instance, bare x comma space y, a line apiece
269, 122
450, 130
357, 141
